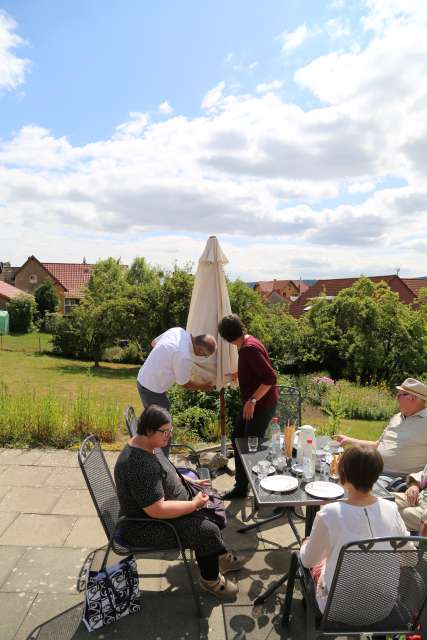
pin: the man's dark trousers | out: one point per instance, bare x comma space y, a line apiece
244, 428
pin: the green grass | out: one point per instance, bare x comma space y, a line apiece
26, 342
363, 429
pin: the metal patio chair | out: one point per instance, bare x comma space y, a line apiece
104, 495
374, 591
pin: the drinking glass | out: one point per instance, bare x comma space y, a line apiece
280, 464
205, 474
252, 444
263, 468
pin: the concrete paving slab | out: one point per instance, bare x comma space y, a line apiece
13, 607
20, 456
3, 491
262, 569
66, 477
25, 476
6, 518
46, 570
74, 502
58, 458
30, 499
9, 557
47, 606
30, 529
86, 532
279, 534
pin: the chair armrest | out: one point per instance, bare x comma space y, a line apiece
309, 586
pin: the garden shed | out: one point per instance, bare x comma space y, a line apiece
4, 323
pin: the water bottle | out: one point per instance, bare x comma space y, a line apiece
275, 445
308, 462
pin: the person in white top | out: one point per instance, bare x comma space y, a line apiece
359, 517
170, 362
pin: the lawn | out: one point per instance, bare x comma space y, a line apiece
24, 369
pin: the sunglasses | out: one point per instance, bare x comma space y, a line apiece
165, 432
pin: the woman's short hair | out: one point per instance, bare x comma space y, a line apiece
361, 466
231, 327
151, 419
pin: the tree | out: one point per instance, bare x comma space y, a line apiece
46, 298
142, 274
107, 281
22, 311
245, 302
175, 298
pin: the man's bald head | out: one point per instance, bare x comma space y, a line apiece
204, 344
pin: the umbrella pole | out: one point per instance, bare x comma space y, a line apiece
222, 422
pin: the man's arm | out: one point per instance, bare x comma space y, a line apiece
193, 386
249, 406
347, 440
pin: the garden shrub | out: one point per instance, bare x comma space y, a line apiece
22, 311
360, 403
204, 422
51, 322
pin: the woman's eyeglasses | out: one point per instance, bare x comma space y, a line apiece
166, 432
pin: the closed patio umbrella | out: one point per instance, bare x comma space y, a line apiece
209, 303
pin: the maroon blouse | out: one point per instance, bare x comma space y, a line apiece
255, 369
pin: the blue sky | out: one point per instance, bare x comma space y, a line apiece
140, 128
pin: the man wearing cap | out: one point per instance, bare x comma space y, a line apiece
403, 443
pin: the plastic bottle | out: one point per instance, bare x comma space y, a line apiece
308, 462
275, 445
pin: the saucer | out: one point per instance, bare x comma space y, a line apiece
270, 471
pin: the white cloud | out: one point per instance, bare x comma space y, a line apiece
265, 87
337, 29
213, 97
12, 68
133, 127
165, 108
291, 40
256, 169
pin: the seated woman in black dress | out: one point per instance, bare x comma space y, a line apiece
148, 485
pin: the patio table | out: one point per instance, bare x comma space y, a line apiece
284, 503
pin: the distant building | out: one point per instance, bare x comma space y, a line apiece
407, 288
68, 279
7, 293
280, 291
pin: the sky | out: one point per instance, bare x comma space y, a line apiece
293, 130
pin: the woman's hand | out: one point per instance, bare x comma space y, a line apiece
248, 410
412, 494
200, 500
232, 377
343, 439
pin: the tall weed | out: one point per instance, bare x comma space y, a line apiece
359, 403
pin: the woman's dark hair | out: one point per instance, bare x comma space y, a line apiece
151, 419
231, 327
361, 466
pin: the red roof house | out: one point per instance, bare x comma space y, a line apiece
7, 293
331, 288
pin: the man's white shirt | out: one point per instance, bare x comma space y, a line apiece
169, 362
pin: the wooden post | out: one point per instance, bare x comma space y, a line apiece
222, 422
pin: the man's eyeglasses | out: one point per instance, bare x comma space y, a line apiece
403, 394
166, 432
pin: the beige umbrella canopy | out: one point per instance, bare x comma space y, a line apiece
209, 303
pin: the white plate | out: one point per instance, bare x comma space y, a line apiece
327, 490
279, 483
270, 471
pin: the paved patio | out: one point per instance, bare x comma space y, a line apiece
47, 528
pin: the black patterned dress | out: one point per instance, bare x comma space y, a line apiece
143, 478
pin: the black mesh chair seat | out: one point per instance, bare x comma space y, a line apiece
104, 495
379, 586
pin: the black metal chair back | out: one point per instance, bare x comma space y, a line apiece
99, 483
379, 586
131, 421
289, 405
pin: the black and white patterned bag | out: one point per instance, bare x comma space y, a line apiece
111, 594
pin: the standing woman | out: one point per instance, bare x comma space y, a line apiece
149, 486
258, 390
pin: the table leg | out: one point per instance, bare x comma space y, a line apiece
279, 513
